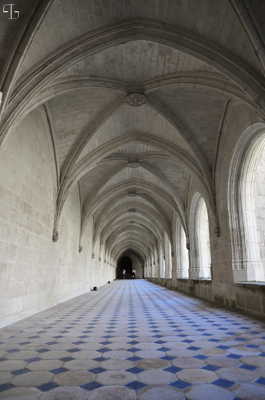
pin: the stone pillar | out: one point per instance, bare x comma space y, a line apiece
161, 263
167, 257
156, 269
148, 267
194, 270
174, 266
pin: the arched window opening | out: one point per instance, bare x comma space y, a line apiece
251, 196
246, 205
184, 255
203, 240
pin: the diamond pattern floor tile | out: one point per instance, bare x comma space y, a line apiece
142, 336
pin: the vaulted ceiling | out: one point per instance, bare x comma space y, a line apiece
135, 93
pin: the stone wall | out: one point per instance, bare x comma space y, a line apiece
248, 298
223, 289
35, 272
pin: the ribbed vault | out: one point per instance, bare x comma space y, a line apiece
127, 93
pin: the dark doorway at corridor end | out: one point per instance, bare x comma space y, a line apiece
124, 268
132, 263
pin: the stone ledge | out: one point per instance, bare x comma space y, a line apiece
256, 286
183, 279
249, 296
199, 281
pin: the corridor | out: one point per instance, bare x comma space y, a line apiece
133, 340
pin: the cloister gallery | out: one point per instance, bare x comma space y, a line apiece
132, 145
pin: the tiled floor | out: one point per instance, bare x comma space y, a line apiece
133, 340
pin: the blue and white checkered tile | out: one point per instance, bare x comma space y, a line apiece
140, 337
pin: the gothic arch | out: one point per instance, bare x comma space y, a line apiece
247, 261
199, 238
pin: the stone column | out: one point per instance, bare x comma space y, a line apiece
174, 266
194, 270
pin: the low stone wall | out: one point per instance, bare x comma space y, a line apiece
248, 298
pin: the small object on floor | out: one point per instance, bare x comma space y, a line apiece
108, 282
94, 289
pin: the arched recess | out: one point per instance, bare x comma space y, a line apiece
145, 223
137, 267
133, 243
88, 162
246, 202
139, 249
200, 239
116, 209
139, 221
131, 234
124, 267
117, 229
138, 263
133, 237
145, 188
